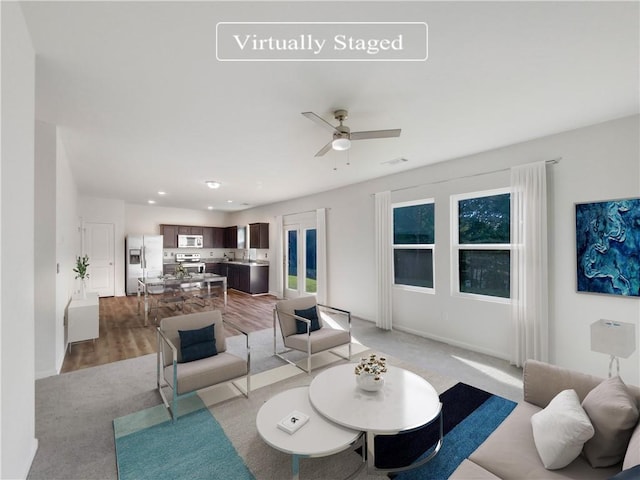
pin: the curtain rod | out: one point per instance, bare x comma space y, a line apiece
553, 161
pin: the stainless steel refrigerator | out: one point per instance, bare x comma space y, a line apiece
144, 259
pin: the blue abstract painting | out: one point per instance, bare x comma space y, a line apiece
608, 247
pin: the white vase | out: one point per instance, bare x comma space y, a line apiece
368, 382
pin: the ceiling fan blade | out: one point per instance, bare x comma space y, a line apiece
319, 120
324, 150
375, 134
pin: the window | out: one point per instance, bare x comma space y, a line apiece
413, 243
481, 243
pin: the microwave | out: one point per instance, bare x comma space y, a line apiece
189, 241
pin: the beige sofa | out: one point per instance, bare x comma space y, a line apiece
510, 451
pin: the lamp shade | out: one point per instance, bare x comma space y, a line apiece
613, 338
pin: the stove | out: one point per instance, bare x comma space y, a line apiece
191, 262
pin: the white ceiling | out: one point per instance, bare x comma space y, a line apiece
144, 105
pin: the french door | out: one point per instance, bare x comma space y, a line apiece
300, 254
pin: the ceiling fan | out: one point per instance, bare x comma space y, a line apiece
342, 135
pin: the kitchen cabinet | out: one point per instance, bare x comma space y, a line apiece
253, 279
258, 279
231, 237
83, 318
169, 236
213, 237
169, 268
259, 235
189, 230
207, 237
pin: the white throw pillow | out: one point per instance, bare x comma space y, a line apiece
560, 430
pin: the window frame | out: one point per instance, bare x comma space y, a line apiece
413, 246
456, 247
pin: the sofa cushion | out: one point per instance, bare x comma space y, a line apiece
468, 470
632, 457
614, 414
560, 430
206, 372
321, 340
510, 453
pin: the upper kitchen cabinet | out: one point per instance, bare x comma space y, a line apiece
213, 237
231, 237
187, 230
259, 235
169, 236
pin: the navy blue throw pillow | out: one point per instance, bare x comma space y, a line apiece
197, 344
632, 473
309, 314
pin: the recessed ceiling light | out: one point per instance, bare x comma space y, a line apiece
209, 207
229, 201
162, 193
151, 201
212, 184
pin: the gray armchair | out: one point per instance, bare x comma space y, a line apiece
302, 336
183, 376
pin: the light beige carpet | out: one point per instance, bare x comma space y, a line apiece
237, 418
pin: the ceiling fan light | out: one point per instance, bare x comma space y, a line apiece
341, 144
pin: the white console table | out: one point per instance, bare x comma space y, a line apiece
83, 318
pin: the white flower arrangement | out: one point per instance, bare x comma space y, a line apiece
372, 365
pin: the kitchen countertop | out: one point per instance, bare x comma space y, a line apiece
250, 263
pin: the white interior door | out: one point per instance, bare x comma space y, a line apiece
300, 260
98, 244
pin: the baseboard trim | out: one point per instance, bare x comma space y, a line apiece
455, 343
32, 456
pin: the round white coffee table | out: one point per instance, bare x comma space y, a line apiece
406, 402
317, 438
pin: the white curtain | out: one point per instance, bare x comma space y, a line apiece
529, 289
278, 263
321, 255
384, 270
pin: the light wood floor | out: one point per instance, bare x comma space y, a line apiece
123, 334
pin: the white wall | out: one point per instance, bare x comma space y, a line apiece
598, 162
67, 242
45, 249
138, 219
17, 390
141, 219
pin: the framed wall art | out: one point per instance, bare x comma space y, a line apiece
608, 247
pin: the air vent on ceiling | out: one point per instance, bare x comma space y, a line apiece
395, 161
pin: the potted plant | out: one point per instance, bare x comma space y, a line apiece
369, 372
82, 264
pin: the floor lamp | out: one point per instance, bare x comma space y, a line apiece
616, 339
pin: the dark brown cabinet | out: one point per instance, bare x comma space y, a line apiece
258, 280
218, 237
245, 278
231, 237
259, 235
207, 237
169, 236
169, 268
187, 230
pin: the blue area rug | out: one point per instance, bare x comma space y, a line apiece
194, 447
470, 415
